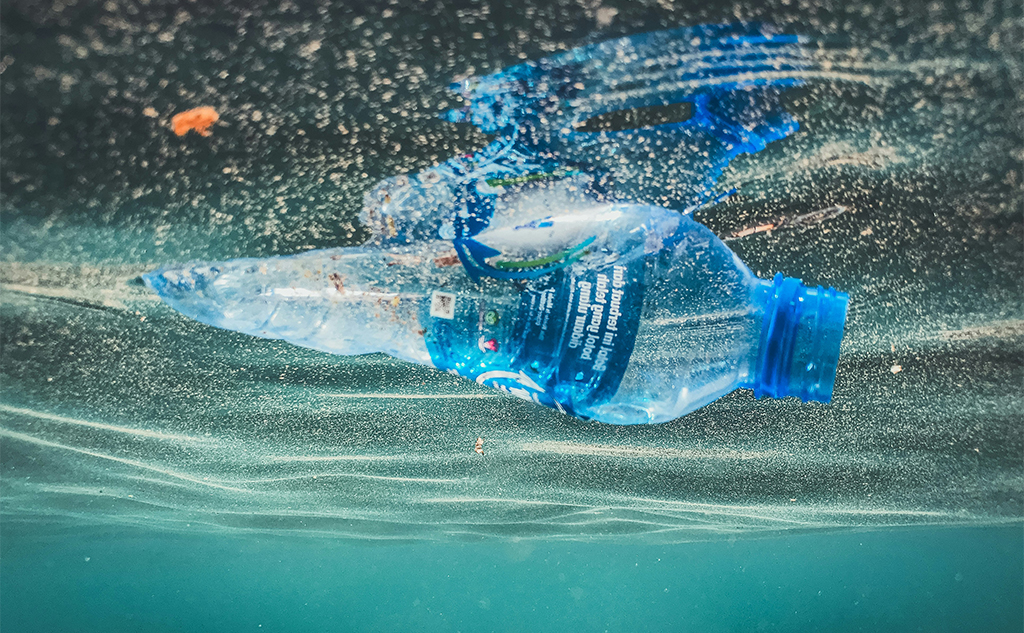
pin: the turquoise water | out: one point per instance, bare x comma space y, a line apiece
933, 579
160, 475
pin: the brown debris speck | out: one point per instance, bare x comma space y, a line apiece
450, 258
335, 279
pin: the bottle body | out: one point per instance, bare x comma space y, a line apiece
709, 326
640, 316
698, 333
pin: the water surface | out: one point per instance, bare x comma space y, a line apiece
140, 431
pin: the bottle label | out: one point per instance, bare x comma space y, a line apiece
566, 345
583, 328
442, 305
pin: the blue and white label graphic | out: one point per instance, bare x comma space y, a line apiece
566, 344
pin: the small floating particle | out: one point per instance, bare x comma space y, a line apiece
336, 280
479, 447
198, 119
605, 16
151, 112
895, 369
308, 49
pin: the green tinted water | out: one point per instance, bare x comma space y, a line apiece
199, 470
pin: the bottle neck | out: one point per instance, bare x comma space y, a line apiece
799, 348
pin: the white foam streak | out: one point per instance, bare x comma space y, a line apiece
603, 450
412, 396
121, 460
331, 458
426, 480
50, 417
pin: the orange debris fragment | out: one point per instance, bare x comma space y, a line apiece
198, 119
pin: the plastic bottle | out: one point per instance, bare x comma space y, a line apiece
654, 117
622, 313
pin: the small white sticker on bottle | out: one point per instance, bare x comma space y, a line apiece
442, 305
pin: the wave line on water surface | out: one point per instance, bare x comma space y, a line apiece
14, 435
156, 435
603, 450
694, 508
353, 475
527, 502
776, 513
332, 458
413, 396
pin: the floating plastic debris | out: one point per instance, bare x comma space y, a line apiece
571, 292
654, 117
197, 119
621, 313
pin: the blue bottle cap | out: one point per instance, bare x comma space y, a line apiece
800, 336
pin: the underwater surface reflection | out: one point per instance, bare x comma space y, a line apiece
116, 411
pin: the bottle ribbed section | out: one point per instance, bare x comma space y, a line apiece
799, 348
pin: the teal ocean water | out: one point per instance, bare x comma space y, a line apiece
921, 579
161, 475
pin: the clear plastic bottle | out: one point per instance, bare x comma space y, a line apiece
653, 117
622, 313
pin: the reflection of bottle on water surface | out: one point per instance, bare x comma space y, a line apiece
622, 313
